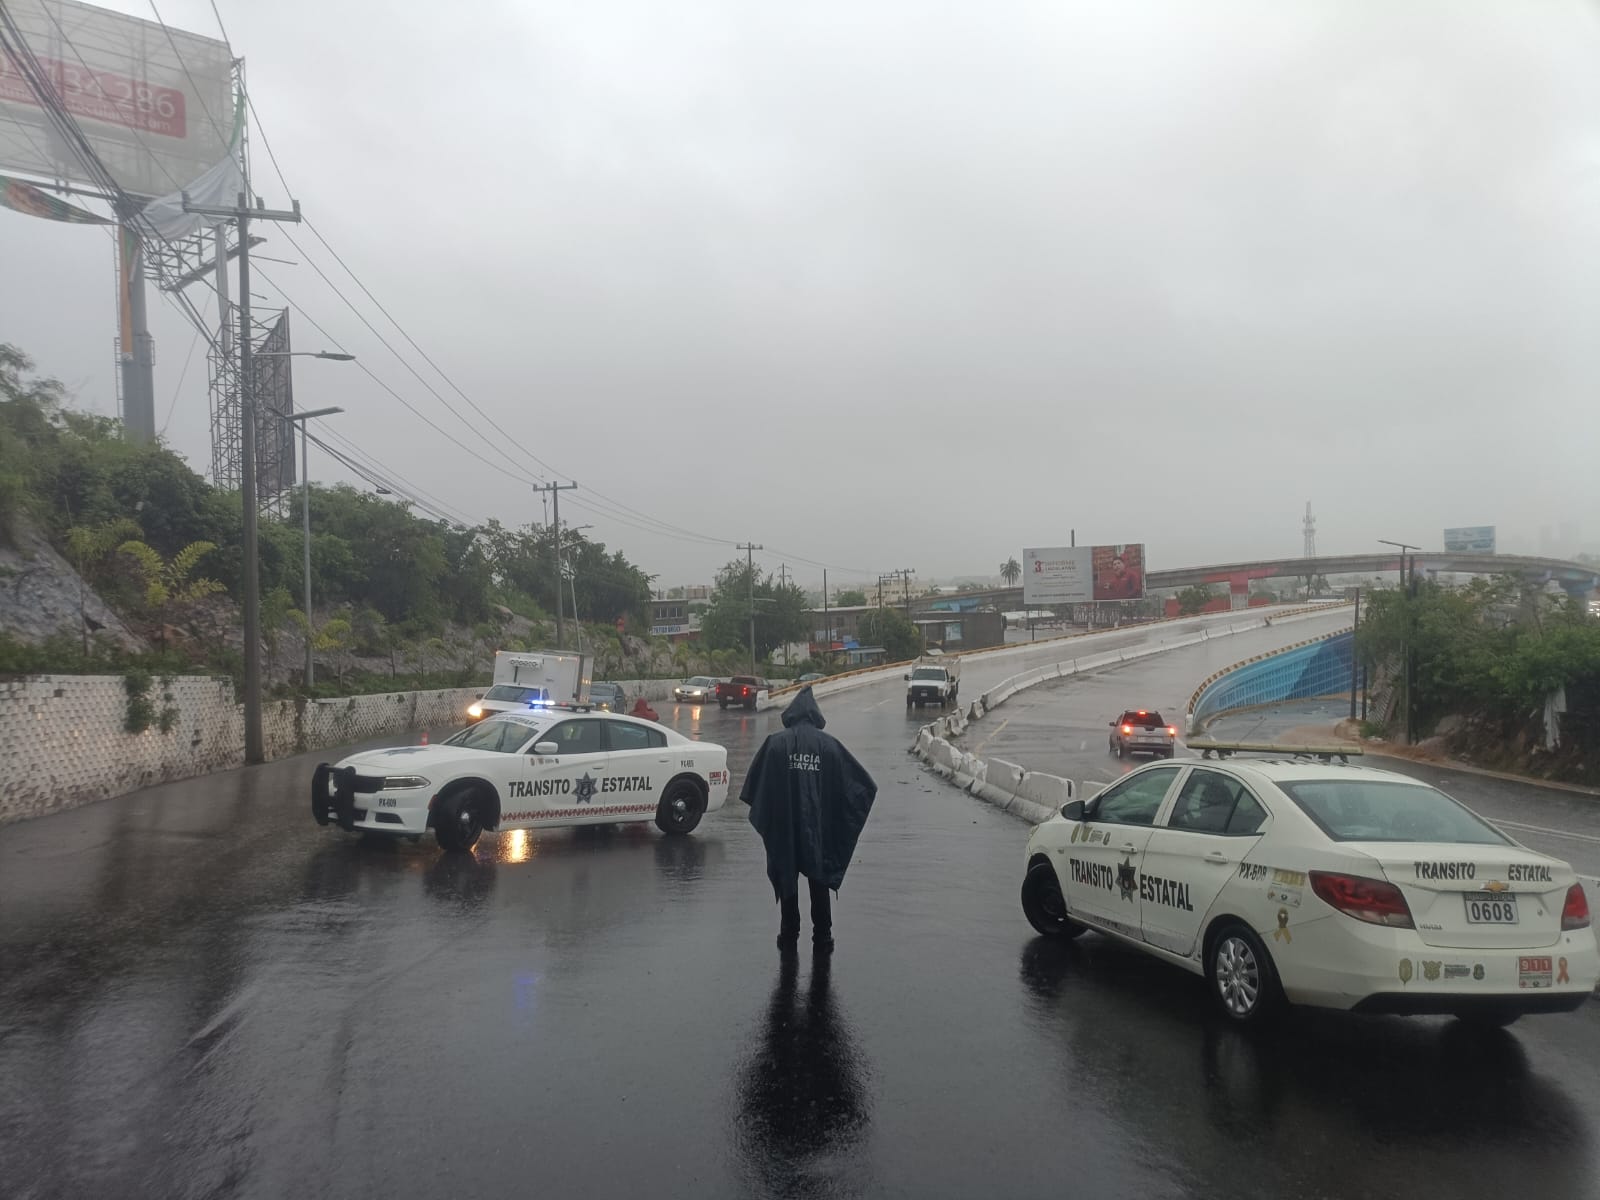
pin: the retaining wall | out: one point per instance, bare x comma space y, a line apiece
63, 740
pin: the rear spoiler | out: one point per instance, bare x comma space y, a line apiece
1209, 749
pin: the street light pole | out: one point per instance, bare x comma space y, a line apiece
1407, 663
305, 515
250, 582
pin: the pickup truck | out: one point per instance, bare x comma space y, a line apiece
934, 680
741, 689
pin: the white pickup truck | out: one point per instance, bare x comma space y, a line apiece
933, 681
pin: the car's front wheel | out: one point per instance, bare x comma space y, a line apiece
458, 819
1242, 979
680, 808
1043, 904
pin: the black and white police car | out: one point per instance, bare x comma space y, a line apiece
1316, 883
526, 770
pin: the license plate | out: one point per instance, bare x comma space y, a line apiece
1497, 910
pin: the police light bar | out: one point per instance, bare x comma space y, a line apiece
1209, 749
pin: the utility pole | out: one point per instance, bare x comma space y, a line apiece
783, 583
1355, 628
1408, 652
555, 490
242, 214
305, 520
750, 549
827, 622
905, 574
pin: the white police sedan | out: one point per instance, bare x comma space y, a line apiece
1313, 882
526, 770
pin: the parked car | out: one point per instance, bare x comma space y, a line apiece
608, 697
530, 770
1316, 883
696, 690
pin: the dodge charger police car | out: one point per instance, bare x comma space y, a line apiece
527, 770
1316, 883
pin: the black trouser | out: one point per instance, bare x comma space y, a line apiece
821, 912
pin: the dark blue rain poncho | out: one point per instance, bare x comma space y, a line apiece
809, 800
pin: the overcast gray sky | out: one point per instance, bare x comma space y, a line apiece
920, 284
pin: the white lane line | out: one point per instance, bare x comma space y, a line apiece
1548, 832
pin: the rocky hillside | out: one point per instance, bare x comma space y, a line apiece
40, 595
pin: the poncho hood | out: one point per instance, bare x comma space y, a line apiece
803, 708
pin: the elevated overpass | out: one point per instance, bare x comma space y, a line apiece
1576, 578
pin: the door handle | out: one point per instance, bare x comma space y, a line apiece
1216, 858
1129, 848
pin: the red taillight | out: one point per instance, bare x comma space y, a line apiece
1370, 900
1127, 729
1575, 912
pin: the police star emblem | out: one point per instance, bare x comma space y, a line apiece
1127, 878
583, 790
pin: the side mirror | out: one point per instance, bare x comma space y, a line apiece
1111, 724
907, 677
1073, 810
546, 748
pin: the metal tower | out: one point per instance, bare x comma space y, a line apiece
1310, 525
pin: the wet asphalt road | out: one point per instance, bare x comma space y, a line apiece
204, 994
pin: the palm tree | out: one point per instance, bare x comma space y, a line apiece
168, 586
1011, 571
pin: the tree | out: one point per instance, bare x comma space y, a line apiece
889, 628
780, 610
1011, 571
851, 598
1193, 600
170, 586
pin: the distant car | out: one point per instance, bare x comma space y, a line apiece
742, 690
696, 690
507, 697
526, 770
608, 697
811, 677
1142, 731
1320, 884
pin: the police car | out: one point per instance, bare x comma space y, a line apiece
526, 770
1316, 882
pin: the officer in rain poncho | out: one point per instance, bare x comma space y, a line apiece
809, 799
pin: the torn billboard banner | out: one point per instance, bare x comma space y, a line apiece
1080, 574
156, 106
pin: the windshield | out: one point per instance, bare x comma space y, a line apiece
504, 737
928, 673
1149, 720
1374, 810
701, 681
507, 691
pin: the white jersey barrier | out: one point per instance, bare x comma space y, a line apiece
1035, 796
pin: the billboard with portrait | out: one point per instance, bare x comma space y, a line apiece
1119, 571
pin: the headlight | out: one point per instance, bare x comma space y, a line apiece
475, 709
393, 783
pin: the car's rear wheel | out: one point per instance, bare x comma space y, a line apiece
680, 808
1242, 979
1043, 904
722, 704
1119, 750
458, 819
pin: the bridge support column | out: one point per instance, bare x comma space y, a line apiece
1238, 592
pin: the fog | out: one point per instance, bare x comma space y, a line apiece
918, 285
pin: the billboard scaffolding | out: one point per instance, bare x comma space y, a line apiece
273, 393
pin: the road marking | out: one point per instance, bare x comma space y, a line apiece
1559, 833
993, 733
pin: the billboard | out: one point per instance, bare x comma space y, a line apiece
1079, 574
1470, 539
157, 111
272, 390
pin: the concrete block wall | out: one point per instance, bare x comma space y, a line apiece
63, 741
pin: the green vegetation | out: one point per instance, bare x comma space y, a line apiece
1193, 600
780, 612
891, 629
851, 598
163, 548
1490, 653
